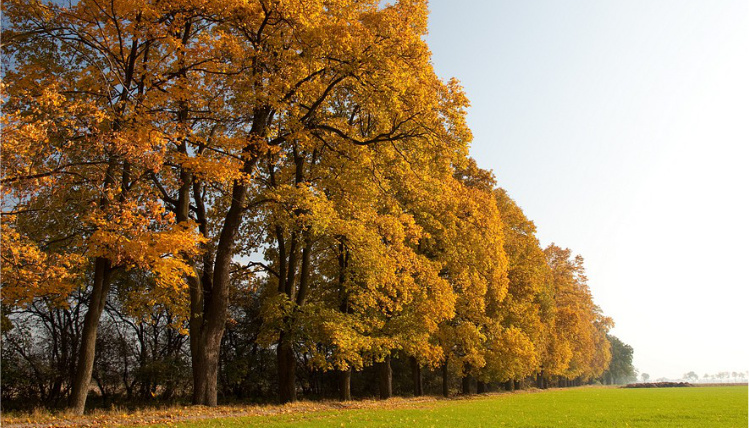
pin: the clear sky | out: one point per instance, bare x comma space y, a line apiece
622, 129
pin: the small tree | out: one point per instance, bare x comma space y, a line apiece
645, 377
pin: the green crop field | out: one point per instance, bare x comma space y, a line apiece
581, 407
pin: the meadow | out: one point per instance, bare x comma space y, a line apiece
579, 407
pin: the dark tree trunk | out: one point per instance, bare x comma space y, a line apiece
445, 381
416, 372
480, 387
466, 384
509, 385
209, 295
540, 384
517, 385
286, 371
344, 385
82, 380
385, 378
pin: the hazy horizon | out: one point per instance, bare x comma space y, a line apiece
621, 129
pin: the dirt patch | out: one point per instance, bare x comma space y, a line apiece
659, 385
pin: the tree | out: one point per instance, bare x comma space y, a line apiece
581, 350
79, 136
691, 376
645, 377
620, 369
465, 232
524, 317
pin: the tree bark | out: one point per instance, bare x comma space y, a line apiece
286, 370
344, 385
209, 296
517, 385
385, 378
466, 384
416, 372
445, 381
82, 380
480, 387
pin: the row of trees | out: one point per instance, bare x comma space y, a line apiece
231, 189
720, 377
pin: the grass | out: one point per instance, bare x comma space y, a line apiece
724, 406
579, 407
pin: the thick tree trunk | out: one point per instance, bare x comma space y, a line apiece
445, 381
480, 387
344, 385
286, 370
385, 378
466, 381
517, 385
540, 380
416, 373
509, 385
209, 295
466, 384
84, 369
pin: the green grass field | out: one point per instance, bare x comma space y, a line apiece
581, 407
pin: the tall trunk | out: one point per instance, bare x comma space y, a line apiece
540, 380
344, 385
82, 380
385, 378
416, 373
480, 387
445, 380
209, 295
517, 385
286, 370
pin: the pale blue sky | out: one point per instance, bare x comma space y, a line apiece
621, 128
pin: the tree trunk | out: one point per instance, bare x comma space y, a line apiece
445, 381
480, 387
385, 378
286, 370
344, 385
517, 385
467, 384
82, 380
416, 371
209, 295
509, 385
540, 380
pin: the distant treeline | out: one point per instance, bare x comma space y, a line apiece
248, 200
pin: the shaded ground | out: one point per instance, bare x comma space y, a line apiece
170, 415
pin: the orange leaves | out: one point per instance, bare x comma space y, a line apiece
579, 328
28, 272
147, 238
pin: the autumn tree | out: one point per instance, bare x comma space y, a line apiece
80, 151
466, 237
373, 109
523, 318
580, 349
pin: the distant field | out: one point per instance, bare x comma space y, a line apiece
580, 407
